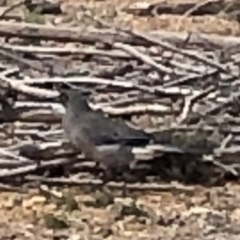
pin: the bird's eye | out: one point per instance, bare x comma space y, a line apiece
115, 134
63, 97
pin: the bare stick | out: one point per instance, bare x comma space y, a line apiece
143, 57
28, 89
135, 187
31, 168
189, 102
11, 8
185, 53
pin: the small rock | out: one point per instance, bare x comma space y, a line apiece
9, 203
29, 203
75, 237
126, 201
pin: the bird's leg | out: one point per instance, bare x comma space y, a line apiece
108, 175
111, 174
125, 179
124, 189
105, 175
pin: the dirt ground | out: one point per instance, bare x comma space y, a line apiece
71, 213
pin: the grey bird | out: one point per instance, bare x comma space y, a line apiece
88, 130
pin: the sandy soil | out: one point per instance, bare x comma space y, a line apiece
70, 214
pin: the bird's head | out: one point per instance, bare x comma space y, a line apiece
74, 99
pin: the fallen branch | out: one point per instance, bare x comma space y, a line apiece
134, 187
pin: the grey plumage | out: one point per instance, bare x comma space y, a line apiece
87, 130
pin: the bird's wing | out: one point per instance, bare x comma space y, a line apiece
106, 131
97, 129
130, 134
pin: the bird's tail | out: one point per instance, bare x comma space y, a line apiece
185, 142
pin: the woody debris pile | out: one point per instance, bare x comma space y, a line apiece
180, 91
